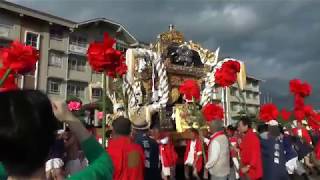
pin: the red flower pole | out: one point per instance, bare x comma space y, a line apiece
226, 76
191, 93
18, 59
5, 76
104, 92
102, 57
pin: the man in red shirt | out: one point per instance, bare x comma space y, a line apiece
193, 155
168, 157
250, 153
127, 157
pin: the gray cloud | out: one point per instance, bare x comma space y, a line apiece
277, 39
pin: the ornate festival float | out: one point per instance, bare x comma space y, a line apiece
160, 78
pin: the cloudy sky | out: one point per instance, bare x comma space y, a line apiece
278, 39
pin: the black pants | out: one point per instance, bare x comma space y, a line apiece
152, 174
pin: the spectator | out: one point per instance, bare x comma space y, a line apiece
250, 153
273, 154
127, 157
193, 155
54, 165
27, 131
75, 161
218, 154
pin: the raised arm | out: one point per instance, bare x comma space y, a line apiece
100, 164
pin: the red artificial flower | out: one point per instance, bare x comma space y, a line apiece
212, 112
100, 115
9, 84
299, 114
190, 90
298, 102
74, 106
19, 58
285, 114
268, 112
103, 57
308, 110
227, 74
119, 70
314, 121
299, 88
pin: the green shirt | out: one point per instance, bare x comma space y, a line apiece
100, 164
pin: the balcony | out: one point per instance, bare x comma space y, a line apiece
82, 76
78, 48
5, 31
58, 44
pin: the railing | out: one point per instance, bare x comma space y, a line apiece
82, 49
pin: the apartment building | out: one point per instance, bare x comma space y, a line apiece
62, 70
236, 100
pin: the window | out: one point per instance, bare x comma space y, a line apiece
234, 107
255, 83
120, 47
54, 86
248, 94
56, 34
77, 64
79, 41
55, 59
32, 39
233, 91
76, 89
256, 95
96, 92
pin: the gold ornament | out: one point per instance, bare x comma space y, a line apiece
174, 95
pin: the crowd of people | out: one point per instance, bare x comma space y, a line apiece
33, 147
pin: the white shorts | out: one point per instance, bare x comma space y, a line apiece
54, 164
166, 171
293, 165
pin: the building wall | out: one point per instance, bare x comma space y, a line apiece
13, 26
249, 98
9, 26
251, 95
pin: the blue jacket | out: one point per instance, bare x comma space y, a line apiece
289, 150
273, 159
151, 153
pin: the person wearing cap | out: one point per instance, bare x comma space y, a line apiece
127, 156
250, 152
272, 150
218, 153
54, 166
141, 121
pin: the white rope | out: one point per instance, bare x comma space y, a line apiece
135, 92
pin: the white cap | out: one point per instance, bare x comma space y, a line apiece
272, 123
